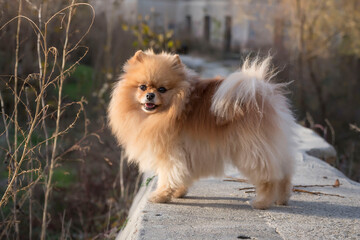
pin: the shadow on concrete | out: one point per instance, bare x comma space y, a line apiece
212, 202
320, 208
309, 208
217, 198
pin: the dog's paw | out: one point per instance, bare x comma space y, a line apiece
283, 202
283, 199
262, 205
159, 198
180, 192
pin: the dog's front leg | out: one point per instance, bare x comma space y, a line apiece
180, 192
163, 191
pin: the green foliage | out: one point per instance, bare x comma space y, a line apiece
80, 83
148, 181
34, 138
63, 177
148, 38
124, 224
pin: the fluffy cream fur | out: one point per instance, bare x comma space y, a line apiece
201, 125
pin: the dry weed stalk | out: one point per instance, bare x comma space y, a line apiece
23, 151
354, 127
296, 188
14, 165
121, 174
52, 160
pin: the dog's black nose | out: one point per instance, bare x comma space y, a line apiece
150, 96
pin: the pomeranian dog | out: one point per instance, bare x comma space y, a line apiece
183, 128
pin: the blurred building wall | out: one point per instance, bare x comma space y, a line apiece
240, 23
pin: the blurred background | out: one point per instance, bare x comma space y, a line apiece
62, 175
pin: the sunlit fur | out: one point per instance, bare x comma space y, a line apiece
202, 125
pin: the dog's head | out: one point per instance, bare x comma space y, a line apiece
157, 81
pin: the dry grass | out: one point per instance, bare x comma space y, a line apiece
65, 176
27, 169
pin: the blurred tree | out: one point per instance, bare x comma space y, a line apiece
323, 40
321, 32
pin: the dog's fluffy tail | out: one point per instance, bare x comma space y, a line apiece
245, 89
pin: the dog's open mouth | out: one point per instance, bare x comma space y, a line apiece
149, 106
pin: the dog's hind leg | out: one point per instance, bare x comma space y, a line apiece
266, 193
284, 191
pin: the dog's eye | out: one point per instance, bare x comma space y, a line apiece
162, 89
143, 87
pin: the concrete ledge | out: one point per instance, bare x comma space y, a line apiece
315, 146
217, 209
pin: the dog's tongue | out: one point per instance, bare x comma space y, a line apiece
149, 105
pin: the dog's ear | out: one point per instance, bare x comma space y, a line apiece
177, 61
138, 57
